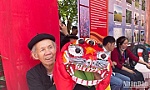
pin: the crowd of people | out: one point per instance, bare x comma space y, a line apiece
43, 48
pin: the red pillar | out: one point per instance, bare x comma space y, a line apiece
20, 20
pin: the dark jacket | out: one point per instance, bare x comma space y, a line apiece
38, 79
63, 39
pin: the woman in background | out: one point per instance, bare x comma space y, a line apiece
120, 55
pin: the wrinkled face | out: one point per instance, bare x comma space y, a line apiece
83, 58
45, 51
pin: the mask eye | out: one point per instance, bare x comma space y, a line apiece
75, 50
102, 56
90, 42
81, 41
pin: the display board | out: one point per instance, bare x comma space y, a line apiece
93, 19
129, 17
99, 18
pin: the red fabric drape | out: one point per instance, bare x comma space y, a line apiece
20, 20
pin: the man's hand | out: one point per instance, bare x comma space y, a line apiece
63, 28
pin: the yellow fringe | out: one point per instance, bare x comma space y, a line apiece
108, 88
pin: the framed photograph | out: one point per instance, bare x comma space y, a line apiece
84, 26
142, 21
136, 36
142, 35
117, 13
128, 34
136, 18
117, 32
128, 16
143, 5
129, 2
137, 4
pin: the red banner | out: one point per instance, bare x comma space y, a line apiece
20, 20
98, 19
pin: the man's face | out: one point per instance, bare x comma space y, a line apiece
111, 46
75, 32
45, 51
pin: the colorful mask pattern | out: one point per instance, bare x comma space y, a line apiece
77, 63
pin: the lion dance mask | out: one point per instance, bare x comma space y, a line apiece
78, 61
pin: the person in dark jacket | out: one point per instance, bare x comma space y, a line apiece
74, 30
43, 48
65, 37
63, 32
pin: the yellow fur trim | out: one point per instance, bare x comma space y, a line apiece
108, 87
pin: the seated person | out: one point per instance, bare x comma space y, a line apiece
43, 48
117, 80
121, 55
63, 33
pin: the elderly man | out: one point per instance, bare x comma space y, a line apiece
43, 48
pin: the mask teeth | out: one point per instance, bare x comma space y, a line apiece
72, 70
99, 72
103, 74
85, 82
87, 69
84, 69
78, 67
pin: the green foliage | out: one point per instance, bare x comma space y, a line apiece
68, 11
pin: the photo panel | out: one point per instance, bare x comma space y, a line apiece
136, 36
117, 32
84, 22
128, 16
143, 5
128, 34
142, 21
136, 18
136, 3
142, 35
117, 13
129, 2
